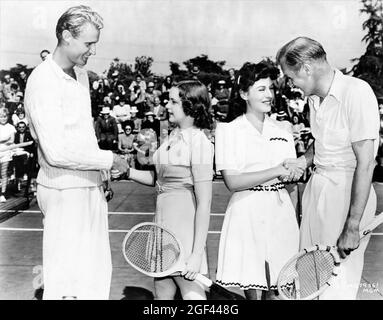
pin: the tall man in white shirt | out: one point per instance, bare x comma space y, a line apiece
339, 199
76, 249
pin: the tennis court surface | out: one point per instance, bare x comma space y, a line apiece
21, 243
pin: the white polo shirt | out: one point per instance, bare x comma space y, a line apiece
349, 113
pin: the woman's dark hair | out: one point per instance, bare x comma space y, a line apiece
127, 123
196, 102
245, 78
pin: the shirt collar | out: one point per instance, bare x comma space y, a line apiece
268, 122
59, 71
336, 85
183, 134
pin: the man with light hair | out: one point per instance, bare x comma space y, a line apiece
76, 250
339, 199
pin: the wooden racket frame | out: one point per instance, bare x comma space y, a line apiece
376, 221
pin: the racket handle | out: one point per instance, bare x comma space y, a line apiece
203, 280
376, 221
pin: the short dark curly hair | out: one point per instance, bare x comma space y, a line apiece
196, 102
246, 77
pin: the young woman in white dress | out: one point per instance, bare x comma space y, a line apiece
260, 231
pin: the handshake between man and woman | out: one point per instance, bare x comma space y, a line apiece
292, 169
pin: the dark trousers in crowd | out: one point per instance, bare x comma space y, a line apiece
22, 165
108, 141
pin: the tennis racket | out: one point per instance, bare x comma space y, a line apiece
310, 272
155, 251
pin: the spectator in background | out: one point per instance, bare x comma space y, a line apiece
114, 82
121, 112
2, 99
7, 137
121, 91
106, 130
166, 85
138, 82
221, 93
231, 79
13, 99
23, 81
107, 101
297, 125
137, 99
150, 96
195, 72
44, 53
151, 122
159, 110
126, 143
161, 114
6, 87
22, 162
157, 85
136, 121
19, 115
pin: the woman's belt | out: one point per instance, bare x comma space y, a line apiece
272, 187
163, 188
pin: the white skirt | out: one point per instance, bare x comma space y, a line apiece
259, 227
76, 250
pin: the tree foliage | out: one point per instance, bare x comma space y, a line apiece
369, 66
143, 65
205, 64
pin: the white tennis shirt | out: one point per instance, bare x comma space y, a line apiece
349, 113
58, 108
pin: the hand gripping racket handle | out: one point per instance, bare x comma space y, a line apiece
204, 280
376, 221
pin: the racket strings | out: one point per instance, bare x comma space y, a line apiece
152, 249
307, 274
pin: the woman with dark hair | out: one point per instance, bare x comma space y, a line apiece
165, 88
183, 175
260, 231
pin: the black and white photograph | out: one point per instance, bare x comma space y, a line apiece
210, 151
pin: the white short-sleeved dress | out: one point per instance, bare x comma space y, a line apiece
260, 224
184, 158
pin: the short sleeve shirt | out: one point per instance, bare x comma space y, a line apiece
185, 149
240, 147
349, 113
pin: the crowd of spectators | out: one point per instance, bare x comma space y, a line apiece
18, 165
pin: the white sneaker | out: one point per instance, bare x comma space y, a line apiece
2, 199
